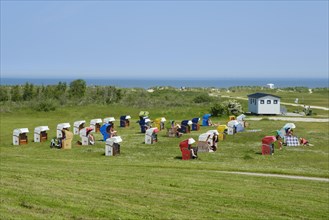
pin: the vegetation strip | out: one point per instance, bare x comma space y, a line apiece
277, 175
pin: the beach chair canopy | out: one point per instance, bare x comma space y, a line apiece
289, 125
205, 136
206, 116
221, 128
147, 120
205, 119
150, 131
186, 122
143, 113
268, 140
40, 129
124, 117
78, 123
85, 131
109, 119
95, 121
241, 117
19, 131
103, 129
112, 140
63, 125
212, 132
191, 141
195, 120
232, 123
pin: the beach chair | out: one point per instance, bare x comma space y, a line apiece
40, 134
20, 136
267, 145
112, 146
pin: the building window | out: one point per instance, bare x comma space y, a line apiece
250, 101
261, 101
268, 101
275, 101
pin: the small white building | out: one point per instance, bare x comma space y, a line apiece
264, 104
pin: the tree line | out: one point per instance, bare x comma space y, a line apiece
50, 96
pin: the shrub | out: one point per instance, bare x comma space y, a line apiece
229, 107
202, 98
217, 110
45, 105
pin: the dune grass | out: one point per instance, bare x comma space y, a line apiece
151, 181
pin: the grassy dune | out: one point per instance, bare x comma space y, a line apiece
151, 181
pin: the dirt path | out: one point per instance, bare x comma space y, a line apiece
277, 176
290, 119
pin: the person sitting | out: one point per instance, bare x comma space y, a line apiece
91, 138
214, 142
194, 150
178, 129
304, 142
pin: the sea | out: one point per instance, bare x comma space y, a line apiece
179, 83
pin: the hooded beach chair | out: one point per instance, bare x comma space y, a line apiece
159, 123
151, 135
112, 146
67, 141
64, 135
96, 124
185, 147
186, 126
20, 136
78, 125
195, 124
241, 120
124, 121
231, 117
205, 119
171, 129
222, 130
40, 133
109, 120
60, 129
106, 131
204, 142
86, 137
144, 124
232, 127
267, 145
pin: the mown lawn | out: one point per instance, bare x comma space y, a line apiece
151, 181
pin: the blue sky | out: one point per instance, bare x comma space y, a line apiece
164, 39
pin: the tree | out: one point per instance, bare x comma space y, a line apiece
15, 93
28, 92
77, 88
3, 94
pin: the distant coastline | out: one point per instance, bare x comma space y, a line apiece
147, 83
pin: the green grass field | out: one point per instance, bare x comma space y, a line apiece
151, 181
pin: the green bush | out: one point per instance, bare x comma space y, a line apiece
202, 98
228, 107
45, 105
218, 109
